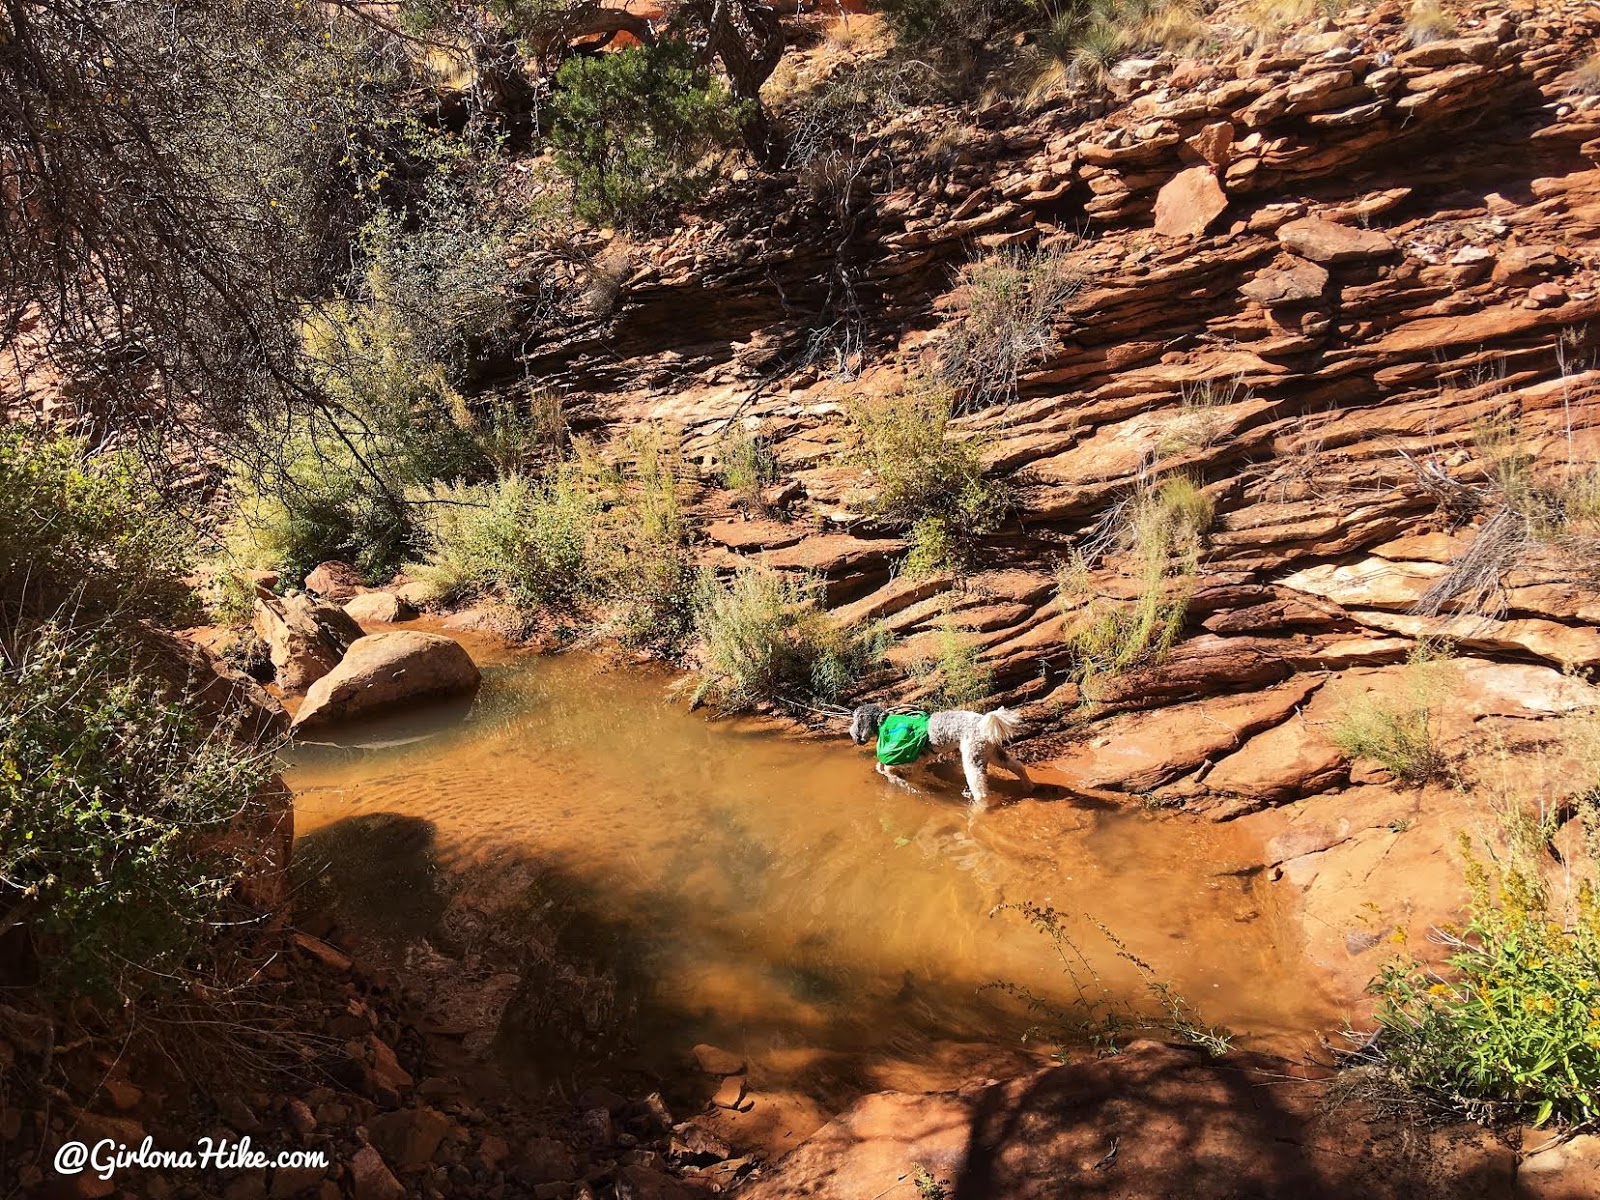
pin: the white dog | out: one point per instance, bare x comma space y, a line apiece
978, 736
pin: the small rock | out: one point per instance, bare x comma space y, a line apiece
1293, 284
122, 1094
371, 1177
691, 1143
378, 608
492, 1151
1546, 295
1189, 202
300, 1117
544, 1160
713, 1060
597, 1127
1325, 242
731, 1093
332, 580
409, 1137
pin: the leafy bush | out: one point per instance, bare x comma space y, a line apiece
746, 463
1400, 735
934, 549
87, 530
1007, 324
1511, 1026
1162, 533
920, 472
765, 640
320, 497
957, 675
523, 540
633, 130
114, 799
644, 570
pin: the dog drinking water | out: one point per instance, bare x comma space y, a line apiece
905, 737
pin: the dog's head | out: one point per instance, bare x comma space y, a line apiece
864, 723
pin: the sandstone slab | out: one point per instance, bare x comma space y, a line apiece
1189, 203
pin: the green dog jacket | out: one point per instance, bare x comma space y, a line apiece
902, 738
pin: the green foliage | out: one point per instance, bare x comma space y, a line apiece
921, 472
1104, 1018
934, 549
929, 1186
1081, 40
1007, 323
633, 130
957, 675
746, 463
523, 540
1164, 526
644, 569
114, 802
1399, 735
766, 640
585, 534
1511, 1026
433, 284
85, 530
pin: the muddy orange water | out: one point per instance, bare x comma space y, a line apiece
764, 892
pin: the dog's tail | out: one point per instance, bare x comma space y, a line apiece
999, 727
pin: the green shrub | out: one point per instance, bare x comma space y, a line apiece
766, 640
934, 549
745, 463
920, 472
644, 571
1510, 1028
1162, 535
86, 530
528, 542
1400, 735
957, 675
633, 130
1007, 324
114, 799
321, 497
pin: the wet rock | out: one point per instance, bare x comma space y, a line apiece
1189, 203
305, 637
1325, 242
371, 1178
378, 608
333, 580
384, 670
